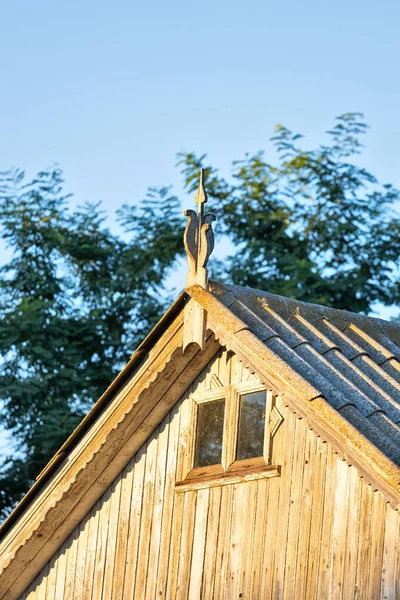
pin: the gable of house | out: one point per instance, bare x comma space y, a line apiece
313, 528
249, 447
285, 346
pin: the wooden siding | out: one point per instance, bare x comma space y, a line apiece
315, 532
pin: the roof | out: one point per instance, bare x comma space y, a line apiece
352, 359
338, 370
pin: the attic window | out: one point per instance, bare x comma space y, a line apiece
230, 436
251, 425
210, 428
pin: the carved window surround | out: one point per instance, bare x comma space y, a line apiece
230, 470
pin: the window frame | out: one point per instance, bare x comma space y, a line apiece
229, 470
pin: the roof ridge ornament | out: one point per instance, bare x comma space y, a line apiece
198, 240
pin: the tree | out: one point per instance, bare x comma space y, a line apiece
75, 299
314, 226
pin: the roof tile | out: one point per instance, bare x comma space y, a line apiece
353, 360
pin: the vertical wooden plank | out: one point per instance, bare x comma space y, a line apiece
234, 549
281, 450
310, 468
122, 531
185, 555
213, 520
390, 568
377, 545
186, 439
268, 440
318, 508
176, 536
245, 374
236, 370
363, 555
91, 551
134, 524
61, 573
221, 563
110, 557
295, 510
282, 514
326, 537
230, 428
186, 436
224, 368
52, 578
260, 525
158, 507
356, 512
248, 540
199, 539
79, 574
146, 516
229, 367
101, 544
41, 590
210, 369
169, 502
71, 564
338, 540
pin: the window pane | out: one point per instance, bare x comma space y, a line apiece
251, 425
210, 427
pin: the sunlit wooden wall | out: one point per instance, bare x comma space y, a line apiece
315, 532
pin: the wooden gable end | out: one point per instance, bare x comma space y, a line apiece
315, 531
83, 469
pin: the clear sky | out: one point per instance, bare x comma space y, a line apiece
112, 90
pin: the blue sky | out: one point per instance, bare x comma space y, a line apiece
112, 90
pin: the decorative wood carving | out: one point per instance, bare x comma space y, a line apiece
198, 240
215, 381
275, 421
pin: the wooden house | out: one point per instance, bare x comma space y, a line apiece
249, 449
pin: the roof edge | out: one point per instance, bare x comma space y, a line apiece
377, 468
76, 436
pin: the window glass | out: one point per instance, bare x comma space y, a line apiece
210, 427
250, 441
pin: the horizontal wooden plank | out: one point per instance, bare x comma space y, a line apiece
227, 478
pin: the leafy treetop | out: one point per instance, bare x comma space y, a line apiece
76, 299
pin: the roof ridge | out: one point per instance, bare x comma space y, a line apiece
214, 285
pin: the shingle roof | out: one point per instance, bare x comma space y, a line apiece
353, 360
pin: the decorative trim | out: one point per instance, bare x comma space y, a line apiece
198, 240
275, 420
227, 478
215, 381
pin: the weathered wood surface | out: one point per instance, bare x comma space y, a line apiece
317, 531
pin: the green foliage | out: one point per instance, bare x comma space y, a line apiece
314, 226
75, 299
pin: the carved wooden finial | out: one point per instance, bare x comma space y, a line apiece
201, 194
199, 243
198, 238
